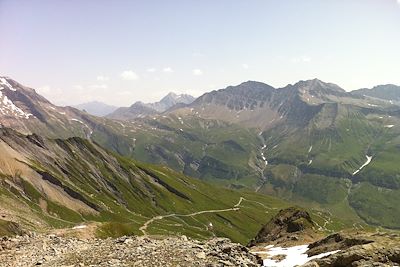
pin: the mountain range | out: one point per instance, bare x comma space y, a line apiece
311, 143
96, 108
140, 109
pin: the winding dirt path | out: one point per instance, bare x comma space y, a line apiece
143, 228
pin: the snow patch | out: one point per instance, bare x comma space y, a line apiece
369, 158
309, 150
262, 154
389, 126
293, 256
3, 81
7, 107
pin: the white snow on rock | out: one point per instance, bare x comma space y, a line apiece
7, 107
262, 154
3, 81
369, 158
293, 256
309, 150
389, 126
78, 121
310, 161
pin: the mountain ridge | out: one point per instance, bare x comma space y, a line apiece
305, 142
140, 109
96, 108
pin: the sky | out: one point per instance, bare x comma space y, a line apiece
120, 51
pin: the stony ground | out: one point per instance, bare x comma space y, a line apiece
358, 250
52, 250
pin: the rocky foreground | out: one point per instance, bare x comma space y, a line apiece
289, 229
51, 250
357, 250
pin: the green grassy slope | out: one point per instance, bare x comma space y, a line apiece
80, 183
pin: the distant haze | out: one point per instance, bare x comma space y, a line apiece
119, 52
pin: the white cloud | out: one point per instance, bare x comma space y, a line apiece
245, 66
304, 59
197, 72
101, 78
151, 70
168, 69
129, 75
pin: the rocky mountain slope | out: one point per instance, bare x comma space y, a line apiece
314, 142
22, 109
388, 92
96, 108
140, 109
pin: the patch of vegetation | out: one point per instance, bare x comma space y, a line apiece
321, 189
9, 228
377, 205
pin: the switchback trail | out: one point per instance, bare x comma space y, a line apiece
143, 228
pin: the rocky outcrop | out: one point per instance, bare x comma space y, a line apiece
51, 250
357, 249
291, 224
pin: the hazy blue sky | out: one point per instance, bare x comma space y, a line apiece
118, 52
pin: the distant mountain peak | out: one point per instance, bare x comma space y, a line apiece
171, 94
96, 108
170, 100
389, 92
140, 109
316, 83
